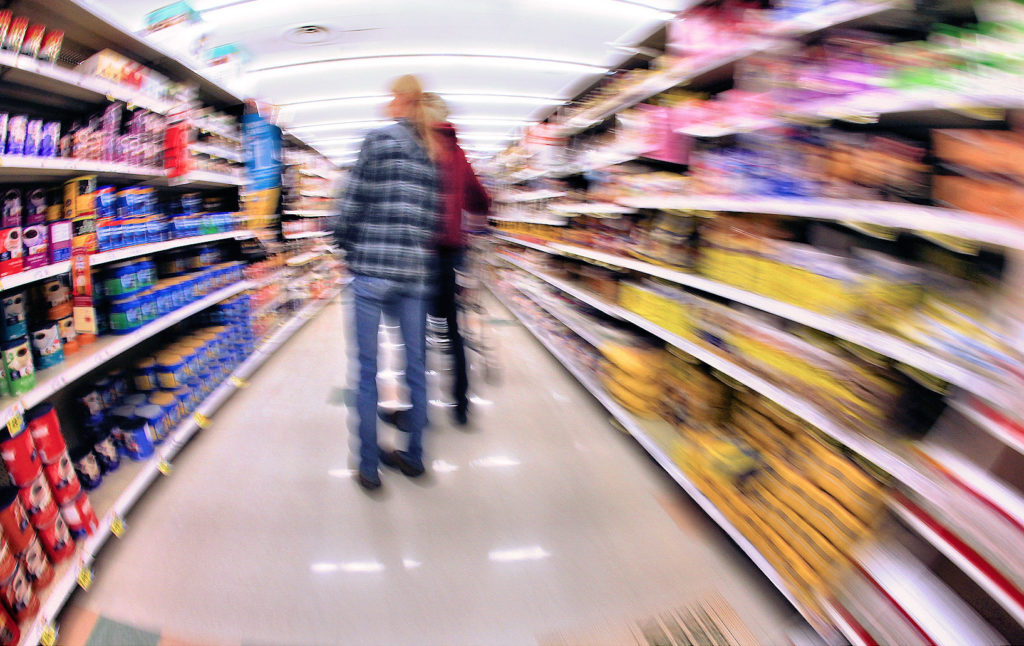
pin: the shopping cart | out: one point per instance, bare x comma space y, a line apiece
474, 319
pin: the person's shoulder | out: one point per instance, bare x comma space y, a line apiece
390, 131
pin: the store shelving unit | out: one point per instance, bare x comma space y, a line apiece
217, 151
698, 66
862, 335
115, 255
907, 217
118, 493
303, 213
590, 208
103, 350
637, 431
23, 168
528, 196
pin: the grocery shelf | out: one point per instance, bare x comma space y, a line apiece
591, 208
963, 556
206, 179
529, 218
103, 350
909, 217
314, 173
528, 196
631, 424
25, 168
994, 423
60, 268
306, 234
581, 331
210, 128
862, 335
120, 490
305, 258
63, 81
327, 195
524, 243
889, 461
308, 213
217, 151
809, 22
933, 609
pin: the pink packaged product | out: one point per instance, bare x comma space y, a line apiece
35, 207
16, 134
37, 252
3, 132
60, 241
52, 43
33, 136
33, 40
11, 209
16, 34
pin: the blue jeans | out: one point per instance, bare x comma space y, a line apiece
405, 303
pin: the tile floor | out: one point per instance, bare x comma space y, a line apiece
538, 523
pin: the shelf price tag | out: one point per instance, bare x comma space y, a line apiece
117, 526
164, 467
84, 577
16, 424
49, 636
238, 382
202, 421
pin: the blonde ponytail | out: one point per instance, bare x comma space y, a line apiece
410, 86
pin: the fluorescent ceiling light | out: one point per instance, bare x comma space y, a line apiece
354, 125
534, 553
440, 59
454, 97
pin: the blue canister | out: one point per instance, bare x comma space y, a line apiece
137, 439
195, 394
171, 370
125, 315
164, 299
119, 382
169, 403
183, 396
145, 375
15, 315
46, 345
146, 270
122, 280
157, 420
105, 449
147, 306
90, 474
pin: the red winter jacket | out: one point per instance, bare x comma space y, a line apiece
461, 189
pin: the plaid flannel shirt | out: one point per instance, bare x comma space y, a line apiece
389, 209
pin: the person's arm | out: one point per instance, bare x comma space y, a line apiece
356, 194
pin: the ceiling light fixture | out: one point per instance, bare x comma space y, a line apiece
470, 97
443, 58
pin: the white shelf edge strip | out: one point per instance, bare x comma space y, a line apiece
52, 383
958, 559
595, 207
709, 508
874, 340
60, 590
910, 217
885, 459
307, 234
308, 214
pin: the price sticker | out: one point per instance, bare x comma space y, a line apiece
202, 421
16, 424
238, 382
117, 526
49, 636
84, 578
164, 467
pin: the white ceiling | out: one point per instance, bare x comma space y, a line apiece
499, 63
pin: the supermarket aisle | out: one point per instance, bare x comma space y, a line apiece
542, 521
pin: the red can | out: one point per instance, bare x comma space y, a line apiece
37, 566
63, 480
10, 634
21, 458
44, 427
56, 540
80, 517
8, 561
14, 520
38, 502
19, 596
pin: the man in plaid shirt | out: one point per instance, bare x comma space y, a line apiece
386, 227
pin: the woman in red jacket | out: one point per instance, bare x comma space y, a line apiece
460, 191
